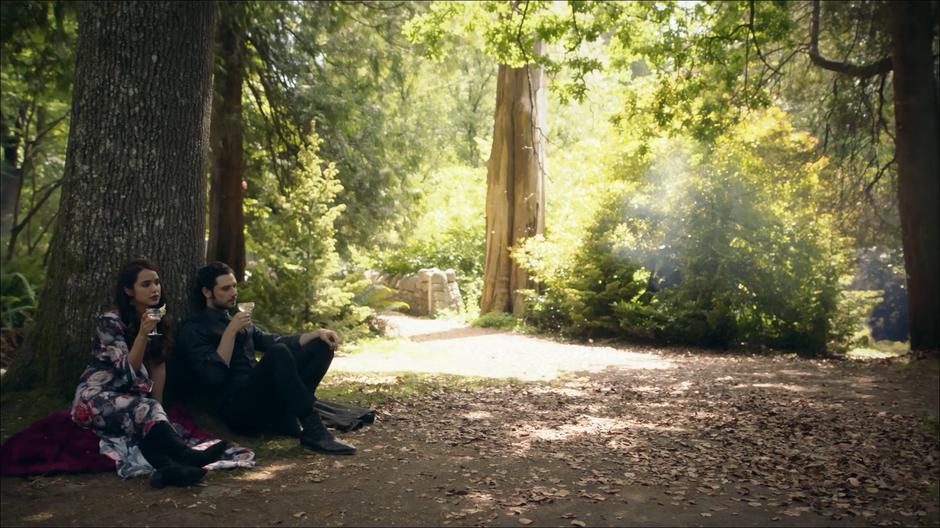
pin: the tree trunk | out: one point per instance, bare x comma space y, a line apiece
11, 177
515, 194
916, 140
135, 173
226, 214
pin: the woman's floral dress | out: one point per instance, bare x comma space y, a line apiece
112, 399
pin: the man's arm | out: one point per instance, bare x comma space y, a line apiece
199, 349
264, 340
331, 337
227, 343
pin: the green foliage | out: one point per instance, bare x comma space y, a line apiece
20, 284
719, 245
443, 236
37, 54
18, 300
497, 320
848, 328
294, 270
379, 298
343, 72
510, 32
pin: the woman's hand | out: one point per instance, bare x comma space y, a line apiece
147, 324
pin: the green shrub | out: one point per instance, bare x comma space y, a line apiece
294, 272
443, 236
725, 248
17, 300
497, 320
848, 328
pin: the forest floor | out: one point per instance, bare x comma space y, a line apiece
486, 427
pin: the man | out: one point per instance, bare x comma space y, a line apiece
252, 395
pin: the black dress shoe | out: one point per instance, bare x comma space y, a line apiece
328, 446
316, 437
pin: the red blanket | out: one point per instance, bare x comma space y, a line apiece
55, 444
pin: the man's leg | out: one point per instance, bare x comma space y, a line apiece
275, 391
272, 394
313, 361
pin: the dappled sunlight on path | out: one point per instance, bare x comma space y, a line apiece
446, 347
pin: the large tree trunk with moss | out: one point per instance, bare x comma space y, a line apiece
916, 140
226, 213
135, 173
515, 194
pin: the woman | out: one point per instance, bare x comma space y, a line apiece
117, 397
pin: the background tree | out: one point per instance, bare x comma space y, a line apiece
227, 151
515, 191
135, 173
37, 60
341, 72
917, 133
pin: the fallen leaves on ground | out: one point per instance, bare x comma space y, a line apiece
791, 435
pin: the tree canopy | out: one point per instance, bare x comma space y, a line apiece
721, 173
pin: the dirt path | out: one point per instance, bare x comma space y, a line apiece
585, 436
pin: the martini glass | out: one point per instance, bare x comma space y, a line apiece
156, 313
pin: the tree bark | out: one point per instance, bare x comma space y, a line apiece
916, 140
515, 194
226, 212
11, 175
135, 175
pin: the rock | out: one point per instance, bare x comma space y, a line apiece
413, 290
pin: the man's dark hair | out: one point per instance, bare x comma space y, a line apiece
205, 277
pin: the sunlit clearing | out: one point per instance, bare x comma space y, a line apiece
265, 473
494, 356
587, 425
871, 353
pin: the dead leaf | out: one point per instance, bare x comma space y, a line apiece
44, 516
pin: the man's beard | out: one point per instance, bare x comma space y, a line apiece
221, 306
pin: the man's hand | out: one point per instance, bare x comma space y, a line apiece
331, 337
239, 320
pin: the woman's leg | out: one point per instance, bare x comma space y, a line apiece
134, 416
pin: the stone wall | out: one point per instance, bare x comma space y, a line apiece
414, 289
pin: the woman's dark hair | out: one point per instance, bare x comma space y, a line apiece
159, 348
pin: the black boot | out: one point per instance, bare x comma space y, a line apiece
166, 471
315, 436
177, 475
170, 443
286, 425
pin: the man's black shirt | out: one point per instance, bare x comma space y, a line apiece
199, 338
